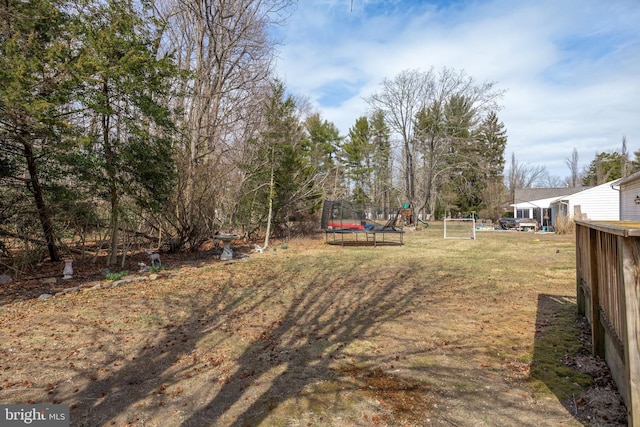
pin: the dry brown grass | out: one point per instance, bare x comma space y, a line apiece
565, 225
436, 332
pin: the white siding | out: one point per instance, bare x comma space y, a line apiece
601, 203
629, 211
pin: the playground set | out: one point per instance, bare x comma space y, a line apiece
350, 224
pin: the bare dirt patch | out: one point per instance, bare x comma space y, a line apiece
433, 333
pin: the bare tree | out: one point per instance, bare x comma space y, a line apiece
495, 199
625, 164
440, 130
418, 107
522, 175
226, 48
549, 181
400, 100
572, 164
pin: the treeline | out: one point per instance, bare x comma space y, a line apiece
164, 122
154, 119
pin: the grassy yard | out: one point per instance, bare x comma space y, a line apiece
433, 333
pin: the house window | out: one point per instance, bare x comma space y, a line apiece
563, 209
524, 213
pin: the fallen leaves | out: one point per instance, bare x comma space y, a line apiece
381, 322
405, 398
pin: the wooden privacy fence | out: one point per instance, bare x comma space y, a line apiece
608, 290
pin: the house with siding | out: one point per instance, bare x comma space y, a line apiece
595, 203
599, 203
630, 197
535, 203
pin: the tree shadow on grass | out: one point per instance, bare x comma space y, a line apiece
325, 317
229, 353
121, 383
237, 346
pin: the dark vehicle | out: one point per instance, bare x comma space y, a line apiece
518, 223
508, 223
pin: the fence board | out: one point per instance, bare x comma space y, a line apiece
632, 314
608, 290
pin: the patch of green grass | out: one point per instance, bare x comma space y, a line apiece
421, 362
557, 340
117, 276
563, 267
156, 268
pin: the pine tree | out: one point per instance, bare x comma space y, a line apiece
465, 174
492, 139
434, 150
35, 61
605, 167
357, 151
128, 146
382, 166
285, 185
324, 142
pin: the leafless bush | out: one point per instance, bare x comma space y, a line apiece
564, 225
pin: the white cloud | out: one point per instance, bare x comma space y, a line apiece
571, 70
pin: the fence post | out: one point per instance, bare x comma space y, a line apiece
580, 295
631, 316
597, 330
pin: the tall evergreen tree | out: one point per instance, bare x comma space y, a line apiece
605, 167
286, 184
465, 165
492, 141
357, 151
324, 140
612, 165
381, 160
434, 150
36, 55
128, 151
635, 163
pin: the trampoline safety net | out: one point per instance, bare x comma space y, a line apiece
341, 217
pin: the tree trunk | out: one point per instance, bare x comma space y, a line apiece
270, 214
110, 158
427, 208
115, 232
410, 178
36, 190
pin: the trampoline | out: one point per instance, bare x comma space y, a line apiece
349, 224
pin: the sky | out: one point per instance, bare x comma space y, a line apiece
570, 69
